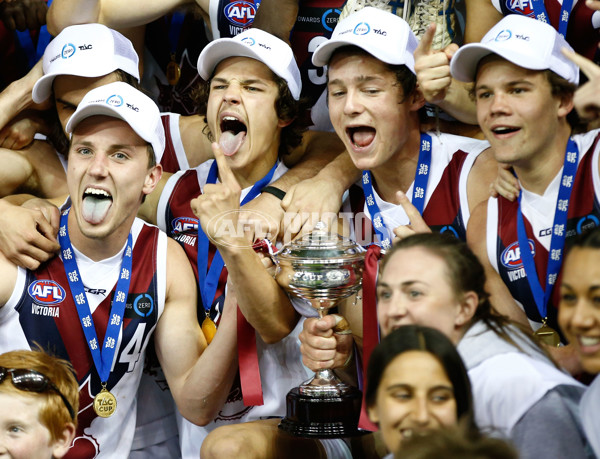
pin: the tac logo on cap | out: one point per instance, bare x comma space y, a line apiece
503, 35
523, 41
115, 100
240, 13
68, 51
382, 34
361, 29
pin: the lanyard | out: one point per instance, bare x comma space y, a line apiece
208, 281
175, 26
418, 197
539, 10
559, 231
102, 359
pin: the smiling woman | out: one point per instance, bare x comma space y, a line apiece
579, 318
417, 382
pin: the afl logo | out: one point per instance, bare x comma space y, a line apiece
68, 51
115, 100
511, 257
361, 28
503, 35
184, 225
46, 292
240, 13
524, 7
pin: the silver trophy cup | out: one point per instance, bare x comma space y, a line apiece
322, 268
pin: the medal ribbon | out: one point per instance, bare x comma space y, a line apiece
175, 25
103, 359
370, 326
418, 197
248, 359
539, 10
559, 232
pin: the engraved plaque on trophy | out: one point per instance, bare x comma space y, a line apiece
322, 268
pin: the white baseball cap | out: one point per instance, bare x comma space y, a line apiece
256, 44
86, 50
522, 40
380, 33
121, 100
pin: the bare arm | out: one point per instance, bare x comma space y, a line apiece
8, 274
320, 197
319, 154
277, 17
501, 298
316, 151
200, 377
481, 177
587, 96
17, 96
116, 14
264, 304
481, 16
195, 142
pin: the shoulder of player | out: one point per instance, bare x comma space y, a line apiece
8, 274
477, 227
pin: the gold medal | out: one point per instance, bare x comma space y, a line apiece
547, 335
105, 403
209, 329
173, 71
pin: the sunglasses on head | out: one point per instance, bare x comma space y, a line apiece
33, 381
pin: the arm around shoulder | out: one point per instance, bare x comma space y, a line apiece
500, 296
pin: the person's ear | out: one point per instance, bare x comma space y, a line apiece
63, 443
416, 100
565, 105
152, 178
284, 123
373, 415
466, 309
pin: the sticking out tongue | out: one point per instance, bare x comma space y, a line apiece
363, 136
94, 209
230, 143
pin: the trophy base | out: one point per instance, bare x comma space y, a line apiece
322, 417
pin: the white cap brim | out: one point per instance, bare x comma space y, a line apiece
102, 108
465, 62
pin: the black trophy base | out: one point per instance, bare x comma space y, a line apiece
322, 417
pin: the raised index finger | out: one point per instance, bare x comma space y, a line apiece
416, 220
587, 66
225, 173
424, 47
